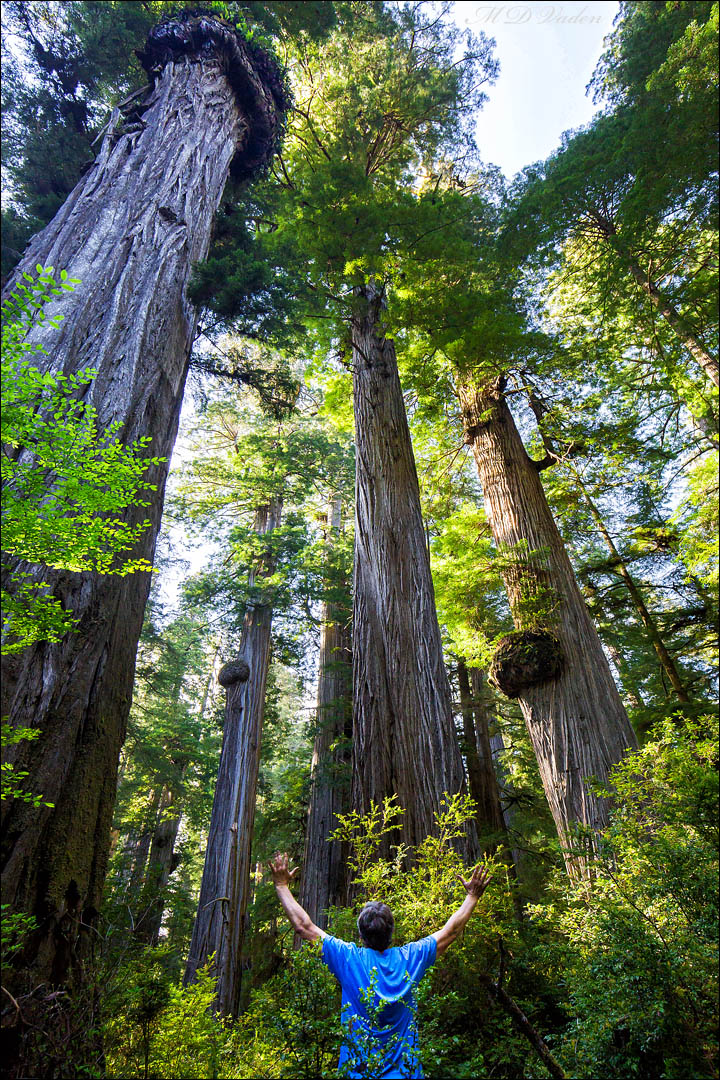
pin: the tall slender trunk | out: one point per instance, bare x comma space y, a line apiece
404, 741
576, 720
141, 847
130, 231
507, 797
651, 628
220, 922
324, 873
162, 861
482, 780
632, 694
678, 324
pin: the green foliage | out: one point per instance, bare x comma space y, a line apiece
64, 481
164, 1029
12, 778
292, 1028
14, 928
636, 950
696, 519
609, 971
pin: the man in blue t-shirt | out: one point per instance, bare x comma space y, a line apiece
378, 1006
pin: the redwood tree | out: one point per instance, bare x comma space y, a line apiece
130, 231
398, 99
403, 723
324, 876
554, 665
219, 927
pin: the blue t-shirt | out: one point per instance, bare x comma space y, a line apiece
386, 979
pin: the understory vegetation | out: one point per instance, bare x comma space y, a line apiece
421, 570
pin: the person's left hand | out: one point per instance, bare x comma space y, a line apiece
280, 869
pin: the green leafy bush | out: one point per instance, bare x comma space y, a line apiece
64, 480
617, 975
635, 950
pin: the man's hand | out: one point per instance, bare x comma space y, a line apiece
478, 882
474, 887
280, 869
301, 922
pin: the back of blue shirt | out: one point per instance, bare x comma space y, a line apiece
384, 1044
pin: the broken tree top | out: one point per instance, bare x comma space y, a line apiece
254, 74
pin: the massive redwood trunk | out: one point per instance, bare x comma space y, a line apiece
220, 922
404, 740
324, 866
558, 671
131, 231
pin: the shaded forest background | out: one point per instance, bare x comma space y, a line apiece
556, 346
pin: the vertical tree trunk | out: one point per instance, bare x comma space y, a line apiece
131, 231
162, 860
482, 775
404, 740
324, 877
482, 780
160, 865
220, 922
632, 694
141, 847
576, 720
675, 320
666, 660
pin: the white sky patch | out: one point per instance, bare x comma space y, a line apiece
547, 54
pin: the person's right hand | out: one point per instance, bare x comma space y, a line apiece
280, 869
478, 881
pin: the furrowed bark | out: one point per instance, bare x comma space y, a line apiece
324, 866
130, 231
482, 780
574, 715
161, 863
403, 725
219, 928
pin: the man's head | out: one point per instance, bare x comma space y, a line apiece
376, 925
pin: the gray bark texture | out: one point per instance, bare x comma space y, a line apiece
219, 927
161, 863
507, 798
324, 867
576, 720
130, 231
482, 780
404, 740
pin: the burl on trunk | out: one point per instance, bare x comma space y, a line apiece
554, 665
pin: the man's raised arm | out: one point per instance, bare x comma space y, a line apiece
301, 922
475, 887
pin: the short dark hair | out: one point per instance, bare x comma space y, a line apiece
376, 925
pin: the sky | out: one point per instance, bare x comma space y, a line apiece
545, 65
547, 54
